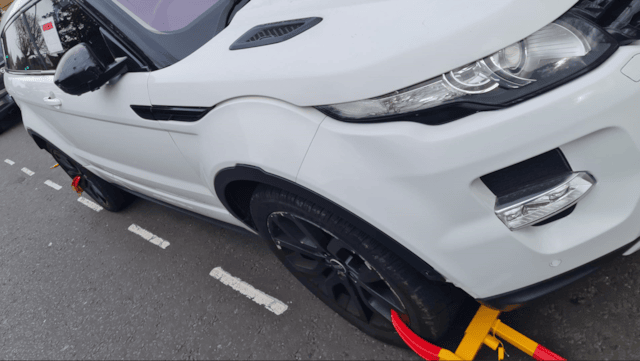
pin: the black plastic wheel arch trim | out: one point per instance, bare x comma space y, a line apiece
268, 34
40, 141
171, 113
511, 300
249, 173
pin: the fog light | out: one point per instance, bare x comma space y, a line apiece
535, 203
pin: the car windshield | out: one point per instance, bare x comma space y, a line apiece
166, 15
167, 31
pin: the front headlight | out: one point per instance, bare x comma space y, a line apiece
559, 52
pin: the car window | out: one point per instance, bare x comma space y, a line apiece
17, 45
43, 33
37, 53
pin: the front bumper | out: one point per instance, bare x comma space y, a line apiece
421, 185
514, 299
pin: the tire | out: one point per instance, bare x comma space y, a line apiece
349, 271
103, 193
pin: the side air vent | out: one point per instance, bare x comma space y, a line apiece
273, 33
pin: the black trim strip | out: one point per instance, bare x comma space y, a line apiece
245, 173
511, 300
143, 111
170, 113
201, 217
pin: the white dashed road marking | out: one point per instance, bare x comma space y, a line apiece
274, 305
28, 171
53, 185
9, 162
90, 204
149, 236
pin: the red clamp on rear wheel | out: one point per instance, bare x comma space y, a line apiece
75, 184
424, 349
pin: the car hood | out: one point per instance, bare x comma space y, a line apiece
361, 49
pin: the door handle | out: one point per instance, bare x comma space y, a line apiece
54, 102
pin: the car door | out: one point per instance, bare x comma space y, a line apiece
100, 127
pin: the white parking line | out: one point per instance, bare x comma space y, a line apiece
90, 204
28, 171
274, 305
53, 185
149, 236
9, 162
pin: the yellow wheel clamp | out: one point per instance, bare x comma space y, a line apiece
484, 329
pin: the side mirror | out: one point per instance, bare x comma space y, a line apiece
79, 71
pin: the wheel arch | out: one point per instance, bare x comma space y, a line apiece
234, 187
40, 141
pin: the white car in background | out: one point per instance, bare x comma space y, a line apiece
394, 154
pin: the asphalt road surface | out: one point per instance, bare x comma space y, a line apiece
78, 284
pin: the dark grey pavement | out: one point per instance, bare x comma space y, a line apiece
76, 284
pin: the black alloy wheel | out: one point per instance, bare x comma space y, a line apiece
349, 271
91, 187
336, 269
66, 163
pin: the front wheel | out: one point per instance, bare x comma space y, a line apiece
349, 271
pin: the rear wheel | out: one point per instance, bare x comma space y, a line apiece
104, 193
349, 271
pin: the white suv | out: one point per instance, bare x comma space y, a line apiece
393, 153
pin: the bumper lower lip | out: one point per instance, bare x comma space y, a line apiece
512, 300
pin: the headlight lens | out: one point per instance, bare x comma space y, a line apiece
557, 53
